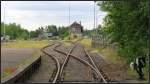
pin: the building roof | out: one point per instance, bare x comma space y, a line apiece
75, 24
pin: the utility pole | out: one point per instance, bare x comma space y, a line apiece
94, 14
69, 23
4, 21
69, 13
94, 30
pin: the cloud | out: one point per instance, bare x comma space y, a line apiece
33, 14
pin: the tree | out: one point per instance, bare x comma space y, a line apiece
14, 31
52, 29
33, 34
127, 24
63, 32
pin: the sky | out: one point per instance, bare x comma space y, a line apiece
33, 14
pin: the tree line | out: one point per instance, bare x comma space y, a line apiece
15, 31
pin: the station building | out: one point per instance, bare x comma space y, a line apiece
76, 29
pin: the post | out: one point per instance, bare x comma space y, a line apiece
69, 23
4, 21
94, 14
69, 13
94, 30
29, 35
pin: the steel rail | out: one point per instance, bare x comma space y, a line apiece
83, 61
87, 54
66, 59
94, 64
56, 60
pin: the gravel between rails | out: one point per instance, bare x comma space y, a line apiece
74, 71
75, 66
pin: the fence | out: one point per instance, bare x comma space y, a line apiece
101, 41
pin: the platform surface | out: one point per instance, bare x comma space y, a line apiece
11, 57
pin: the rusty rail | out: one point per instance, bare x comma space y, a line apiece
93, 66
66, 60
56, 60
99, 73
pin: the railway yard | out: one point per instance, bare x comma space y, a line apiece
69, 62
74, 42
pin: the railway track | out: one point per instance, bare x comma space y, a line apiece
66, 61
56, 61
89, 63
60, 67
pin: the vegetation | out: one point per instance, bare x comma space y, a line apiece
26, 44
127, 24
88, 33
14, 31
86, 42
63, 32
52, 29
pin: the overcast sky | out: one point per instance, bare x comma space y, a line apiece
33, 14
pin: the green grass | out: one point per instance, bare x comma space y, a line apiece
26, 44
111, 54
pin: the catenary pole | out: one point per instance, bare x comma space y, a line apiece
4, 20
69, 20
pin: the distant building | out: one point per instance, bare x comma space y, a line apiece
49, 34
5, 38
76, 29
45, 35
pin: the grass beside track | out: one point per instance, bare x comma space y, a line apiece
113, 56
86, 42
26, 44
